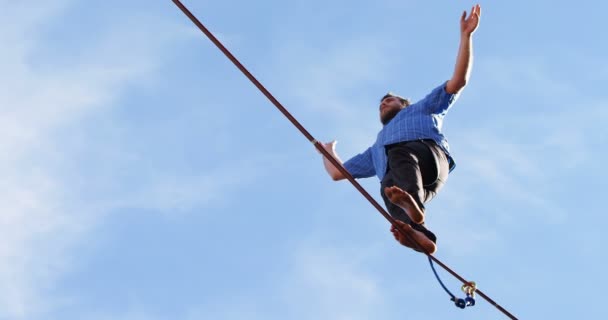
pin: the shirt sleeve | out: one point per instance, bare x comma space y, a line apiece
361, 165
439, 101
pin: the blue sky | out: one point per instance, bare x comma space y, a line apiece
144, 178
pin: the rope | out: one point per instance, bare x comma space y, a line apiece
441, 282
324, 152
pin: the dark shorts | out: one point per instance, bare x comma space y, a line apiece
421, 169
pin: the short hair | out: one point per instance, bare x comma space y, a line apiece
406, 102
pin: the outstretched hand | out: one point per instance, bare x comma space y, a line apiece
470, 24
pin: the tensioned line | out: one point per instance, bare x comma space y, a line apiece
325, 153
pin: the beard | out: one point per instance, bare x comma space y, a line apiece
388, 115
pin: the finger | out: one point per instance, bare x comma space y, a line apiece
478, 10
464, 15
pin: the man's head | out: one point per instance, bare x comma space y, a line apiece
390, 105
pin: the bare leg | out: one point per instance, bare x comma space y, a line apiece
405, 201
409, 234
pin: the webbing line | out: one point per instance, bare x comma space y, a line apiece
322, 150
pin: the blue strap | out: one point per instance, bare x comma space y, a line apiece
439, 279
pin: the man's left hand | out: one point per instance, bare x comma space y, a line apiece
470, 24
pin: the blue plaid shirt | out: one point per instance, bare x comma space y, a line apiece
421, 120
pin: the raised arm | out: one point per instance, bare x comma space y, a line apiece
464, 60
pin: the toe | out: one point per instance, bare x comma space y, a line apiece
388, 192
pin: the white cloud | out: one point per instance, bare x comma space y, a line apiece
167, 193
134, 313
42, 216
332, 283
515, 80
326, 83
321, 282
326, 79
509, 166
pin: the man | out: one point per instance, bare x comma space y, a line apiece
411, 155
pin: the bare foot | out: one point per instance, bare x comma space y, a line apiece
409, 234
405, 201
